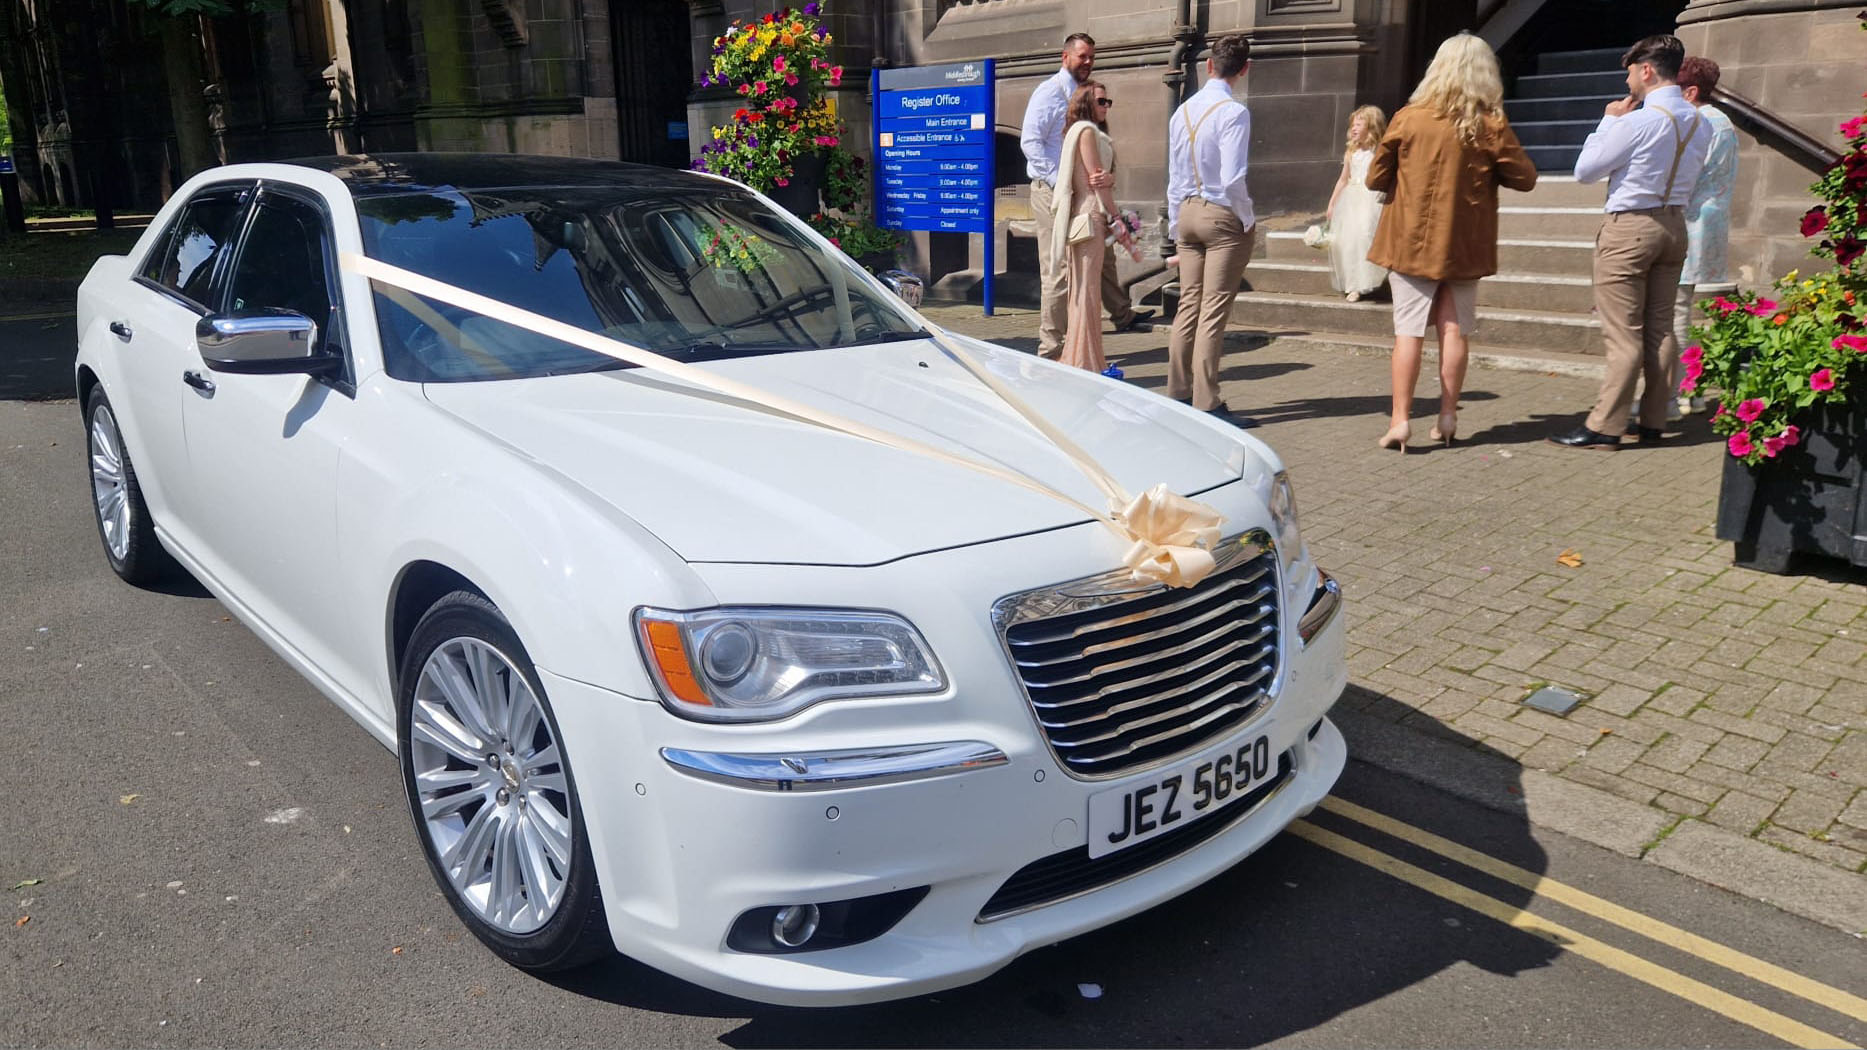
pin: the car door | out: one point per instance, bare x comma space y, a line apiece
264, 449
178, 283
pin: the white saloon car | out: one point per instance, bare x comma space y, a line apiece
790, 714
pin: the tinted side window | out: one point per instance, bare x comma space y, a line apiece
281, 264
185, 262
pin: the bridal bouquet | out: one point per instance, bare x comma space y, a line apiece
1130, 223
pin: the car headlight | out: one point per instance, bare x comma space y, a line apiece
747, 665
1283, 506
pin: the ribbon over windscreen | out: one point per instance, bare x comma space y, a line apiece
1170, 537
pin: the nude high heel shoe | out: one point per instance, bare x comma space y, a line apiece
1446, 429
1396, 437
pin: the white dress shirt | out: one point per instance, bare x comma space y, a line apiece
1635, 152
1224, 149
1042, 137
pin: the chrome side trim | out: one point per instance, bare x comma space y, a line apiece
1323, 607
832, 770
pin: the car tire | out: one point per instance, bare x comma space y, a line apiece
122, 517
491, 792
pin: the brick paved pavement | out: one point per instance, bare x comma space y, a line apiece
1714, 693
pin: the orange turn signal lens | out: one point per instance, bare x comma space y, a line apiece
669, 653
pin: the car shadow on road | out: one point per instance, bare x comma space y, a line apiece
1290, 938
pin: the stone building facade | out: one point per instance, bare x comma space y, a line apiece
1806, 62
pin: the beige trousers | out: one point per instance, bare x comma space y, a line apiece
1214, 248
1638, 256
1054, 281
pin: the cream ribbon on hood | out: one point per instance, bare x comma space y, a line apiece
1170, 537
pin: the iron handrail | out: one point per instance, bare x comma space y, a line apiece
1798, 145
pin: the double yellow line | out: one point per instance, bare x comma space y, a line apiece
1740, 1010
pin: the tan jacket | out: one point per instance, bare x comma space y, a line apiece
1441, 223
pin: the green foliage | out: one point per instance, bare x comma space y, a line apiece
1773, 358
6, 128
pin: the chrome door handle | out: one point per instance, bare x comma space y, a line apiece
121, 330
199, 382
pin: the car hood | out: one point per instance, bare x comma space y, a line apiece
717, 480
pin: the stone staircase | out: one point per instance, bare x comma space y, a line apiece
1554, 109
1539, 308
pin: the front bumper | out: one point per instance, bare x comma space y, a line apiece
692, 825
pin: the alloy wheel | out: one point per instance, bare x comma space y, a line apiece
490, 785
108, 488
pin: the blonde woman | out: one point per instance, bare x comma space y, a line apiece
1440, 163
1080, 222
1355, 210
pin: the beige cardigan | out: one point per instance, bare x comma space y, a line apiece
1063, 202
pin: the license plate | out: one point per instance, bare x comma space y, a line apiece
1175, 797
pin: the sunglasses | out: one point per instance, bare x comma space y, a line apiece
1105, 102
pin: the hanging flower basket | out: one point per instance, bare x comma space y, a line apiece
785, 139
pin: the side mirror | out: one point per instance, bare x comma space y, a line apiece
263, 342
906, 286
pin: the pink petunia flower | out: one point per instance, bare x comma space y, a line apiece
758, 87
1856, 343
777, 64
1822, 381
1748, 411
1723, 305
1693, 370
790, 80
1771, 446
1761, 308
1792, 435
1851, 128
1692, 353
1741, 444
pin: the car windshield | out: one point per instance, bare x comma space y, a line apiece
695, 273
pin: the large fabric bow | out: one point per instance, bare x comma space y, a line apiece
1173, 537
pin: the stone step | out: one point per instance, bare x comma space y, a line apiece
1574, 107
1568, 85
1580, 61
1571, 257
1482, 355
1522, 329
1509, 291
1566, 222
1554, 158
1554, 132
1558, 190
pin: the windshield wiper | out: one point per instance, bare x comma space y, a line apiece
892, 337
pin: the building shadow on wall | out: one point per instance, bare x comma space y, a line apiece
1290, 938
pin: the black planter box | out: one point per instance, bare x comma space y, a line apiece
1810, 498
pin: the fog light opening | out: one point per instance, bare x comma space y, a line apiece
795, 924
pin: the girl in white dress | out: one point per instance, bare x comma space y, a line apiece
1355, 210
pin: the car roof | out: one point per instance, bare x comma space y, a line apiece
372, 174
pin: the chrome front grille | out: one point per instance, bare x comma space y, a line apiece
1122, 676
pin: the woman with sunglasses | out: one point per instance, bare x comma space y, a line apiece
1082, 217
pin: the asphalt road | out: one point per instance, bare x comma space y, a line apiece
37, 346
224, 859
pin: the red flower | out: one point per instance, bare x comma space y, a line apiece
1761, 308
741, 113
1814, 221
1822, 381
1848, 249
1851, 128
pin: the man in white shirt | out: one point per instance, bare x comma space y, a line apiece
1210, 218
1651, 156
1042, 139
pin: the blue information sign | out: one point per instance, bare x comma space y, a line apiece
933, 151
